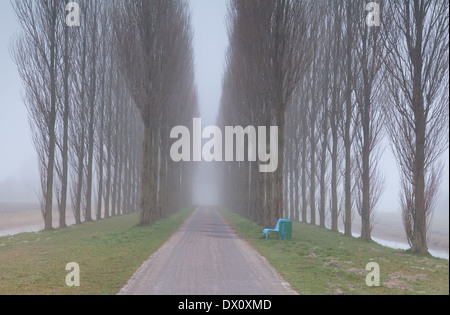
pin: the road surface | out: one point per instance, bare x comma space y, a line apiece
206, 257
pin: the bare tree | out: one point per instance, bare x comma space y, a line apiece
36, 55
368, 55
79, 117
337, 100
313, 113
303, 121
67, 44
100, 132
325, 95
109, 119
91, 31
347, 135
417, 42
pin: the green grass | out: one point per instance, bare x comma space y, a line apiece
320, 262
108, 253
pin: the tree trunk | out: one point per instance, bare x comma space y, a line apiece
91, 128
291, 186
334, 195
65, 149
365, 210
366, 189
146, 201
79, 189
51, 126
279, 202
347, 124
323, 187
100, 148
90, 166
419, 242
303, 178
296, 193
312, 192
48, 221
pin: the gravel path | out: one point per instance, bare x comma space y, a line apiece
206, 257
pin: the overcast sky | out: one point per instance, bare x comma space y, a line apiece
18, 166
210, 43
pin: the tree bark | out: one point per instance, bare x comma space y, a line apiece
347, 125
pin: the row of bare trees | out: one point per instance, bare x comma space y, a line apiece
335, 124
156, 55
86, 103
265, 63
334, 85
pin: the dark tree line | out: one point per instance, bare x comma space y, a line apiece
334, 85
266, 61
86, 104
156, 56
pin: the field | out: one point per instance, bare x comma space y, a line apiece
318, 261
315, 261
108, 252
18, 218
25, 217
389, 227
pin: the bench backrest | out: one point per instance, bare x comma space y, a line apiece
278, 224
279, 221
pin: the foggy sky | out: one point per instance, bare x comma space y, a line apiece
18, 165
210, 43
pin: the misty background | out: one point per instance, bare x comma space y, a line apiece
19, 177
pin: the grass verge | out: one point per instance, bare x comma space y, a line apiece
320, 262
108, 253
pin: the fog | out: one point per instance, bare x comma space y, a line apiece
20, 185
19, 180
210, 43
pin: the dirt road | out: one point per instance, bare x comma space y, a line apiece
206, 257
